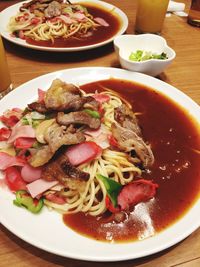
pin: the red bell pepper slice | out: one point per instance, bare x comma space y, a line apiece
14, 180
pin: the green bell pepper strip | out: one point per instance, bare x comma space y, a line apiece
24, 199
113, 188
92, 113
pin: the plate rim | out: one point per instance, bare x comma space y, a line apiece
5, 34
128, 256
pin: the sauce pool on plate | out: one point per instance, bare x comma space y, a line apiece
174, 141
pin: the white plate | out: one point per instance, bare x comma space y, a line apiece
47, 230
12, 11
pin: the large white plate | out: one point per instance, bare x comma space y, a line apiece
12, 11
47, 230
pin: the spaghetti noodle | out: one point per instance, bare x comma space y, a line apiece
53, 20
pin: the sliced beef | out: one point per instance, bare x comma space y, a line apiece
57, 136
39, 107
129, 140
60, 169
63, 96
66, 97
128, 134
127, 119
38, 4
78, 117
53, 10
91, 103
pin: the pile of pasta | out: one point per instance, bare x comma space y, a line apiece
112, 163
69, 20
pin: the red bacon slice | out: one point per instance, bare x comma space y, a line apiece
136, 192
83, 152
4, 133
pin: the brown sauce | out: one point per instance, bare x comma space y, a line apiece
173, 136
99, 35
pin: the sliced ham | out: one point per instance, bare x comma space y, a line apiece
30, 174
79, 16
136, 192
101, 21
66, 19
40, 186
93, 133
102, 141
21, 131
7, 160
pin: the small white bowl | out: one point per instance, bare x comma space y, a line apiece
125, 44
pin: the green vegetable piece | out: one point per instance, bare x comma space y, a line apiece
137, 56
24, 121
36, 145
35, 123
24, 199
92, 113
140, 55
113, 188
161, 56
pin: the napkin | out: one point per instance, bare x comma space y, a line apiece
176, 8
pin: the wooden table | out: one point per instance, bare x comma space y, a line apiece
184, 73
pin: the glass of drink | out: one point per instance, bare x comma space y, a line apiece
150, 16
5, 81
194, 13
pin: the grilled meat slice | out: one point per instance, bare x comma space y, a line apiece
129, 136
57, 136
127, 119
62, 97
129, 140
53, 10
39, 107
60, 169
78, 117
38, 4
91, 103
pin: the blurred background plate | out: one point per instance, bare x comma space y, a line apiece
47, 230
12, 11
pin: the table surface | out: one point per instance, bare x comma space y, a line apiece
184, 73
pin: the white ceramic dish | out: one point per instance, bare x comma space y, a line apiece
12, 10
47, 230
128, 43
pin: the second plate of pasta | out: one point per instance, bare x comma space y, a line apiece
73, 26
